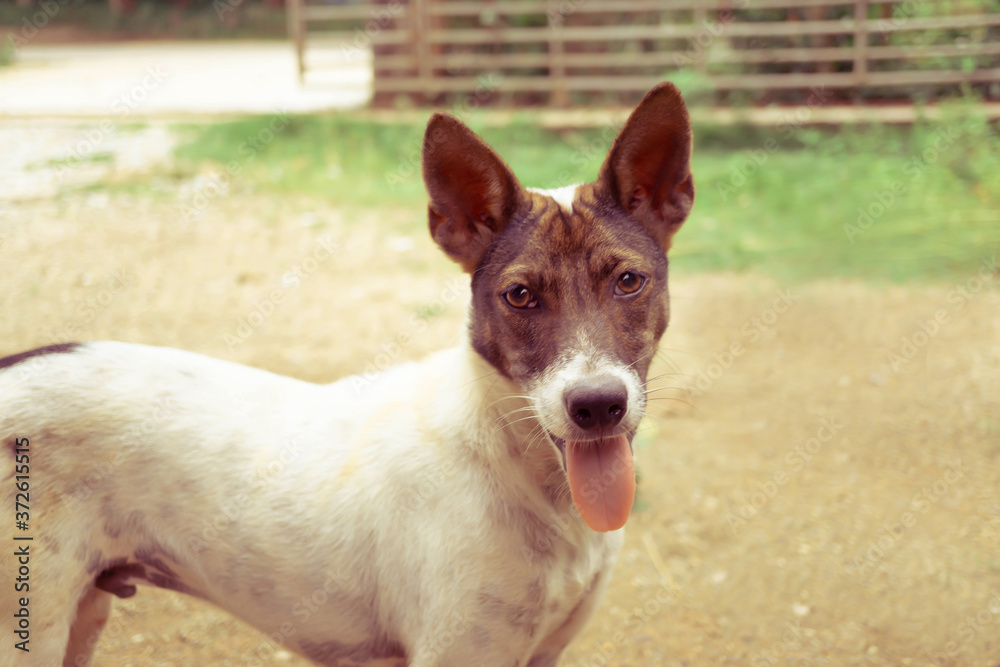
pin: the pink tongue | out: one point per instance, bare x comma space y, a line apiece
602, 481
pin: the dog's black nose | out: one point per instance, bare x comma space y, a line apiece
597, 404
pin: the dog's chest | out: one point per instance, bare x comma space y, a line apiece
565, 582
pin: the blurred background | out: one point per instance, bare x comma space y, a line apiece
820, 469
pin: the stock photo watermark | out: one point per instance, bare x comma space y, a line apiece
972, 626
323, 249
913, 343
217, 183
754, 159
123, 106
410, 164
891, 534
380, 18
914, 168
795, 460
391, 350
751, 331
31, 25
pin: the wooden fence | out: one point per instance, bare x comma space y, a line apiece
609, 52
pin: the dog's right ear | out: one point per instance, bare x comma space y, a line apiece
472, 192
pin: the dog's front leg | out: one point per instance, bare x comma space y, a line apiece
91, 616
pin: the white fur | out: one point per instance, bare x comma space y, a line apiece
408, 506
564, 196
576, 366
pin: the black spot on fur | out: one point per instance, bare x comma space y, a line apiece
115, 580
60, 348
118, 576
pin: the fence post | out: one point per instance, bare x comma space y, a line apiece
296, 31
421, 48
557, 57
861, 41
701, 54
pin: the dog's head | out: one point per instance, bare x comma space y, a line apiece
570, 286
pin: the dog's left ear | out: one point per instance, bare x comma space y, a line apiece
648, 170
473, 193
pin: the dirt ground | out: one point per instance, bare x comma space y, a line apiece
820, 484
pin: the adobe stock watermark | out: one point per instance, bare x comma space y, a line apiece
664, 595
302, 611
914, 168
794, 638
707, 33
391, 350
592, 152
754, 159
892, 533
380, 18
89, 308
901, 11
557, 15
231, 510
161, 412
750, 332
971, 626
795, 461
124, 105
216, 184
30, 26
323, 249
419, 493
410, 162
114, 631
957, 297
83, 313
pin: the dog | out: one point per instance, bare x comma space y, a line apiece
462, 510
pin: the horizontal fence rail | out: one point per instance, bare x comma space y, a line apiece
731, 52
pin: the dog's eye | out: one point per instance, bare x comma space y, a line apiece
629, 283
520, 297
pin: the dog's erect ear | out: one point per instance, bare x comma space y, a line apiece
472, 192
648, 170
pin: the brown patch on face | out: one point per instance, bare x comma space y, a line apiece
571, 263
523, 244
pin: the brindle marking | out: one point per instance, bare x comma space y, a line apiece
569, 261
58, 348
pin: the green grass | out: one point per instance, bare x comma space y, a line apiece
149, 18
8, 51
101, 157
875, 203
